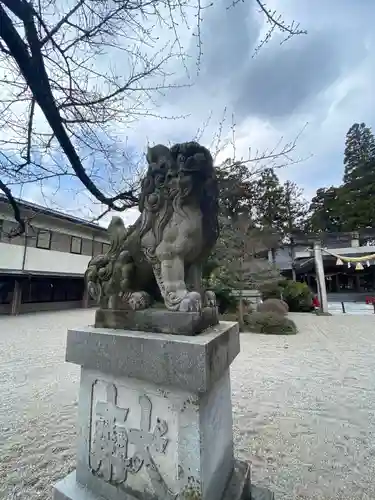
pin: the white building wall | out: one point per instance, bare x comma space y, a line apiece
30, 259
49, 261
11, 256
41, 261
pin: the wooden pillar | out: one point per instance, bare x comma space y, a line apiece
16, 299
357, 283
85, 298
337, 280
321, 282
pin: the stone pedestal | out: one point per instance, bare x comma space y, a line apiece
155, 417
158, 320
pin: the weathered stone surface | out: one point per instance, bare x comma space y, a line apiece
191, 363
238, 488
261, 494
161, 255
155, 417
158, 320
239, 484
138, 437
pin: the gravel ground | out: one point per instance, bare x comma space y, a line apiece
304, 407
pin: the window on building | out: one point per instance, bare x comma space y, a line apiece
1, 227
105, 247
6, 290
76, 245
43, 239
37, 290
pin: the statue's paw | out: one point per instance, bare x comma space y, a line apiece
94, 290
139, 300
209, 299
192, 302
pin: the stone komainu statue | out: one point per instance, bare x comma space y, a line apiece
160, 256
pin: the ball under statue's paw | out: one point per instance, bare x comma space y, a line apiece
139, 300
209, 299
192, 302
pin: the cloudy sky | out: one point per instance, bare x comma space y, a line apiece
324, 79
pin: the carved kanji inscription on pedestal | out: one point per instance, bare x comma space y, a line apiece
109, 457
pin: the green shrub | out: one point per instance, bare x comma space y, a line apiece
271, 291
298, 296
232, 317
274, 305
269, 323
226, 302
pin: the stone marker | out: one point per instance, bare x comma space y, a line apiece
155, 413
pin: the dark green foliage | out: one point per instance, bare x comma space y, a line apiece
325, 210
350, 206
358, 191
269, 323
273, 290
257, 214
359, 152
298, 296
226, 302
276, 306
236, 188
241, 257
269, 198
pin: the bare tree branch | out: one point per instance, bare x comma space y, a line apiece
75, 74
64, 19
15, 207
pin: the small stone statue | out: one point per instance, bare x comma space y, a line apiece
161, 255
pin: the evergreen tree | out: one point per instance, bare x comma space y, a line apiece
236, 189
280, 208
325, 211
242, 255
294, 217
356, 195
350, 206
268, 202
359, 152
295, 209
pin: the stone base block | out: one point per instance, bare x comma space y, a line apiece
192, 363
155, 413
153, 442
158, 320
155, 416
238, 488
261, 494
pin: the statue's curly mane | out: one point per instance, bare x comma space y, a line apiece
199, 166
179, 176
